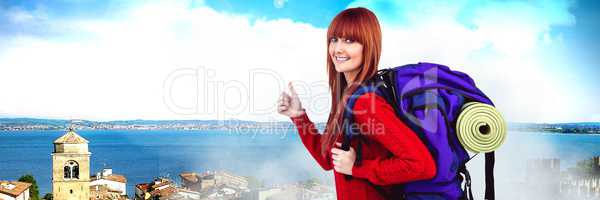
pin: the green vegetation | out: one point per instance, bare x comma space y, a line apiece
34, 193
48, 196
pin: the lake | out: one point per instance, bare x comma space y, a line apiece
275, 157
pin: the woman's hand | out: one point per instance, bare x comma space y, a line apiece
289, 105
343, 161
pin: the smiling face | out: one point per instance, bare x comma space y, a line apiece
346, 54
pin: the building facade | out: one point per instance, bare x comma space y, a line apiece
71, 168
114, 182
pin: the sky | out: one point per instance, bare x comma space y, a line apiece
230, 59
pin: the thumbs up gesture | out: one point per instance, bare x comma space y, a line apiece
289, 104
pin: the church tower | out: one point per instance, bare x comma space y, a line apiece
71, 167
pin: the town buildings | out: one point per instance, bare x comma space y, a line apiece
106, 185
71, 178
160, 188
208, 180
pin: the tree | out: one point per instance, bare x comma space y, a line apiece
34, 193
48, 196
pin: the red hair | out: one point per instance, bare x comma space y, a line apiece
361, 25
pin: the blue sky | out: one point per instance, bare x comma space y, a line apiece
580, 38
540, 56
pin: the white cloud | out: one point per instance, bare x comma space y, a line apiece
116, 69
497, 43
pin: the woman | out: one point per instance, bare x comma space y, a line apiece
391, 153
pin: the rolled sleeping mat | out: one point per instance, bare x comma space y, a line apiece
480, 128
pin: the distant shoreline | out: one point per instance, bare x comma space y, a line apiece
34, 124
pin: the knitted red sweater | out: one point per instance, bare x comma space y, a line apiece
391, 153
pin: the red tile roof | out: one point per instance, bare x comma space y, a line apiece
143, 186
189, 176
164, 193
19, 187
112, 177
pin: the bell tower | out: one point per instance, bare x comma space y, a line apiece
71, 167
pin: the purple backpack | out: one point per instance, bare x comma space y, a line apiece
428, 98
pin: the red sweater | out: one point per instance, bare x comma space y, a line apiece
391, 152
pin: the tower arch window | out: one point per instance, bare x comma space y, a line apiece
71, 170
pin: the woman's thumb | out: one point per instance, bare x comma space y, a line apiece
292, 90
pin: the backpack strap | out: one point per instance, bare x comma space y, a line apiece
350, 130
382, 84
468, 191
384, 80
489, 176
